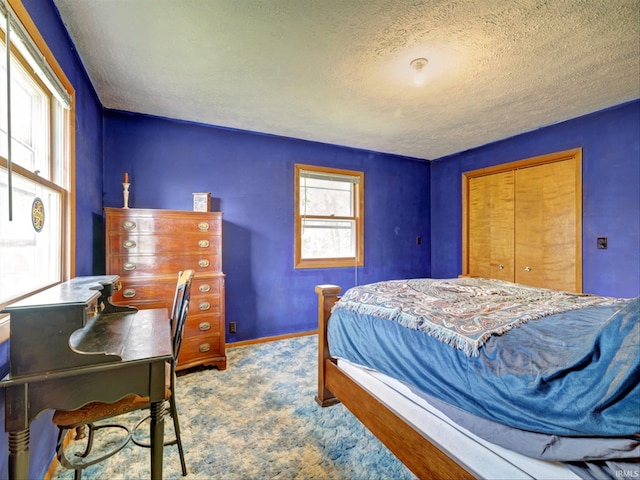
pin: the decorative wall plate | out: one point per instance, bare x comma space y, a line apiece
37, 214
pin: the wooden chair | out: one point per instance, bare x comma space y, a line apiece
86, 416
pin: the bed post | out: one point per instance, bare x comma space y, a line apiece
327, 297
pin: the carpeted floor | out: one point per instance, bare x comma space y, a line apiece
258, 420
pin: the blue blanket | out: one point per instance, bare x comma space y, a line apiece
574, 374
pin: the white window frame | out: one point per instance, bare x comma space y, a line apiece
356, 218
30, 51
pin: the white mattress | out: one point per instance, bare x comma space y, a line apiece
482, 458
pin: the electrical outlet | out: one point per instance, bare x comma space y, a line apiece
602, 243
232, 327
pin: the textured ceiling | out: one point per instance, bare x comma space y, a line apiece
337, 71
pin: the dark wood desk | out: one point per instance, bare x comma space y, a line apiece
69, 347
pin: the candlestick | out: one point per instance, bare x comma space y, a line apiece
125, 194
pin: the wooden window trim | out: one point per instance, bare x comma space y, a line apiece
358, 260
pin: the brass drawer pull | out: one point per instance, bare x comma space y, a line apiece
204, 226
129, 292
129, 266
129, 244
205, 306
204, 287
204, 347
203, 243
203, 263
129, 225
204, 326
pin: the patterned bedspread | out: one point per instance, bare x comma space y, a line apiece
462, 312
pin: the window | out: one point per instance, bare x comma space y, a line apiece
329, 217
35, 160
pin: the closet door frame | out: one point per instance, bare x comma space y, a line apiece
573, 154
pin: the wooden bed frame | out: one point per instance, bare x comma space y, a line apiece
421, 456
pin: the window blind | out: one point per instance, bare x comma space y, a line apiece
26, 46
17, 36
336, 177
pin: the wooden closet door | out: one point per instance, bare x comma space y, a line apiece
491, 226
546, 233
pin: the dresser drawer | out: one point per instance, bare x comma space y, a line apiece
139, 265
164, 244
202, 325
158, 292
205, 285
132, 223
199, 349
208, 304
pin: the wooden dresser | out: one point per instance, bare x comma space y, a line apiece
147, 248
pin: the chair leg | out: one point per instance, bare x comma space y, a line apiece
80, 434
80, 462
77, 471
176, 427
90, 436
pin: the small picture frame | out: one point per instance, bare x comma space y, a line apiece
201, 201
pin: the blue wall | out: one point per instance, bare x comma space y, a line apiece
89, 239
251, 179
610, 142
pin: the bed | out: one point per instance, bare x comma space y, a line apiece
480, 378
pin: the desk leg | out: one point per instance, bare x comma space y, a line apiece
19, 454
157, 439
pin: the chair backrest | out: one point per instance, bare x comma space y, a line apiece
180, 309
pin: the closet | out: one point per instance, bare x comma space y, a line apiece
522, 221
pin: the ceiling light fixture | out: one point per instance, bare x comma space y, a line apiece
418, 65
